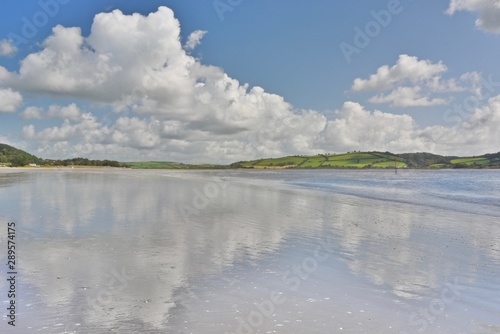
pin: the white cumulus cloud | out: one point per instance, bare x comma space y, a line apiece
32, 113
7, 48
407, 69
407, 97
87, 130
165, 104
360, 129
71, 112
467, 133
10, 100
194, 39
412, 82
488, 12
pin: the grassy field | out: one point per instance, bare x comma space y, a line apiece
347, 160
12, 157
278, 162
167, 165
313, 162
437, 166
357, 160
389, 164
471, 161
154, 165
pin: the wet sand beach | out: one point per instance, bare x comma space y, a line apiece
131, 251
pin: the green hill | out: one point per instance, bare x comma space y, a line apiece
11, 156
14, 157
347, 160
373, 160
170, 165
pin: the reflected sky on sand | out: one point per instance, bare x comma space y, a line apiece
245, 252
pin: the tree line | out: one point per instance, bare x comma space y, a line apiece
13, 157
83, 162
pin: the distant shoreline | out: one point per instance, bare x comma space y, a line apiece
277, 168
11, 156
61, 167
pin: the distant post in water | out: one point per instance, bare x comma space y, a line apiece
395, 165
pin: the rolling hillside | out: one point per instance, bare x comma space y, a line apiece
170, 165
14, 157
347, 160
373, 160
11, 156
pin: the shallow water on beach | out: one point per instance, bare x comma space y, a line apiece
322, 251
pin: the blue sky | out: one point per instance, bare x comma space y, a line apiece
259, 78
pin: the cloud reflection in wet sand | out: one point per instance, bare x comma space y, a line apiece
80, 230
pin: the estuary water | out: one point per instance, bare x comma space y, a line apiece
288, 251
